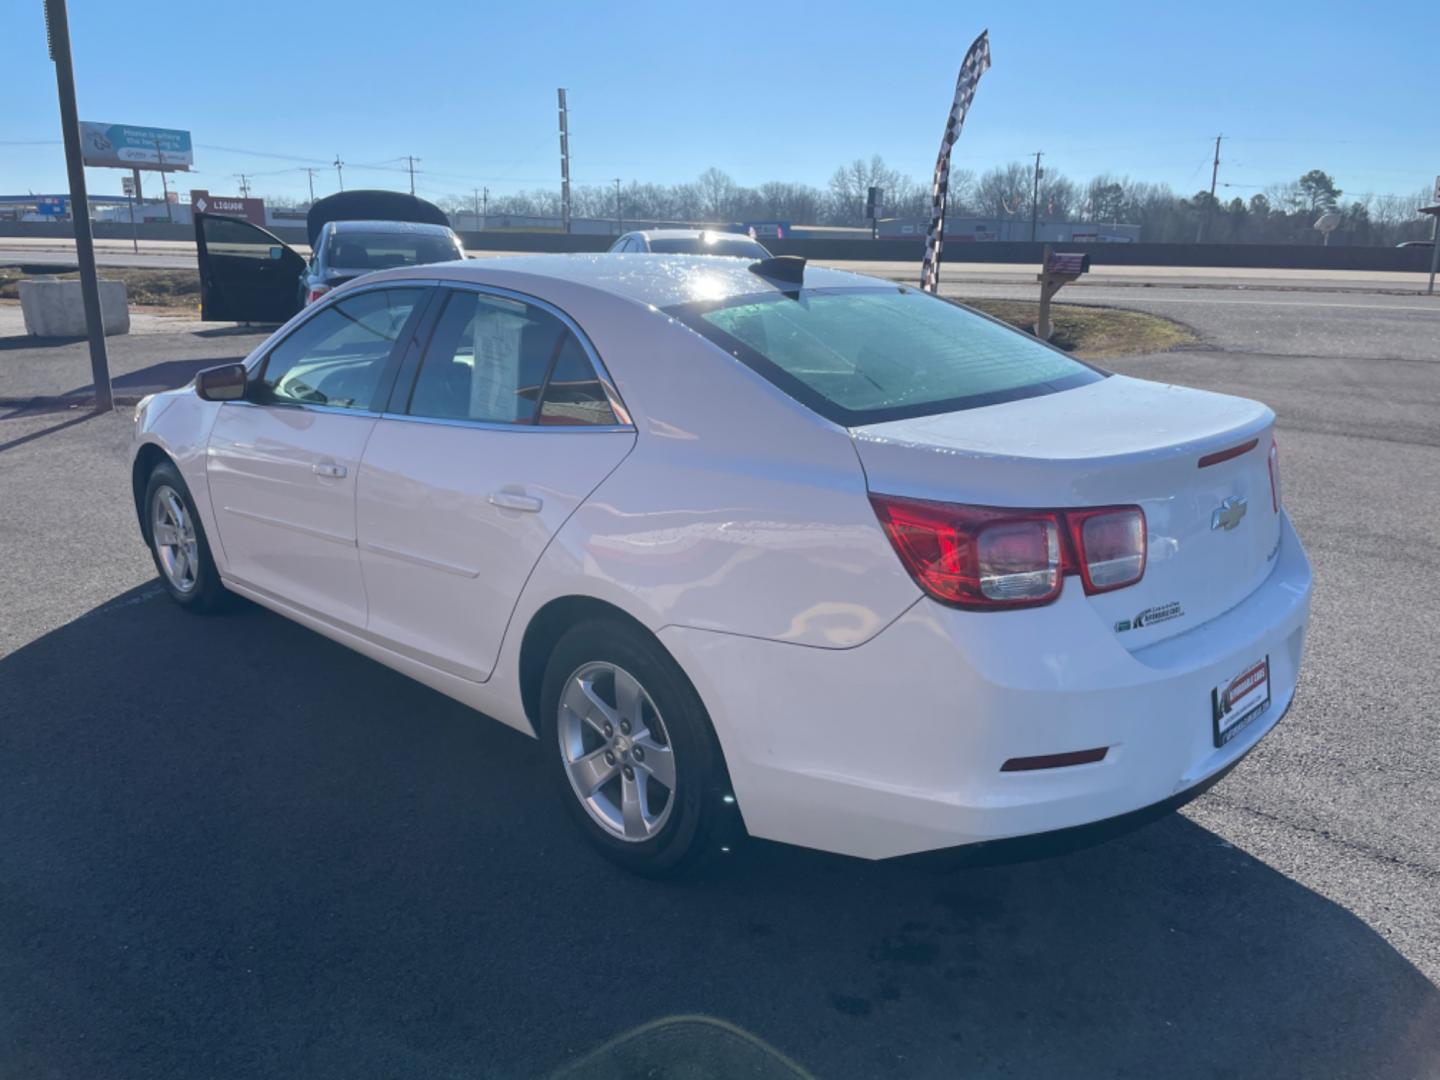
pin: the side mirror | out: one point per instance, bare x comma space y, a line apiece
223, 383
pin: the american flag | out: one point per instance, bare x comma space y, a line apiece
977, 60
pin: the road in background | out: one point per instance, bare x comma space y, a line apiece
177, 254
235, 848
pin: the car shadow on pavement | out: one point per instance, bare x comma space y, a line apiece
231, 847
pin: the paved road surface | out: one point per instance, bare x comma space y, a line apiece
233, 848
181, 255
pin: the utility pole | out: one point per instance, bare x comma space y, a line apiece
310, 174
339, 171
484, 204
412, 161
244, 184
1035, 195
57, 32
477, 209
164, 187
1214, 175
619, 217
564, 161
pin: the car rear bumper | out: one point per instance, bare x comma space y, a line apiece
896, 746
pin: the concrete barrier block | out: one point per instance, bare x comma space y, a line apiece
55, 308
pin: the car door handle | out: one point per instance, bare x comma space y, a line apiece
328, 468
511, 500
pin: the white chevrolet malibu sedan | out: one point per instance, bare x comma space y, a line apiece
752, 547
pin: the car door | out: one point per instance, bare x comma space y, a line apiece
246, 273
506, 426
282, 463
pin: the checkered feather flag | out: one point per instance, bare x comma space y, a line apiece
977, 60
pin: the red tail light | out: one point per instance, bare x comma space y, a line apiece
1275, 476
316, 291
983, 558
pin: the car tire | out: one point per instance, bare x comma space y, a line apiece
659, 732
177, 542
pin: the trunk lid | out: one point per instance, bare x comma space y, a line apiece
1117, 441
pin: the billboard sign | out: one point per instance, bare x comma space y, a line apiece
123, 146
252, 210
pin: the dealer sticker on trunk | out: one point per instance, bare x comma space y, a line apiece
1235, 703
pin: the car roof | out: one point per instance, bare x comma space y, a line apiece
658, 280
389, 227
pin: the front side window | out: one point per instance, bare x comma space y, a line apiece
863, 356
489, 360
339, 356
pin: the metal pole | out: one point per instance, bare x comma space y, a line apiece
57, 29
1434, 251
484, 207
564, 161
340, 172
619, 217
134, 198
412, 161
1035, 196
164, 187
310, 175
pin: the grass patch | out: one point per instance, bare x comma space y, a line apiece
1094, 333
178, 290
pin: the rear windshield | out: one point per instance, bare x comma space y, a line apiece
380, 251
739, 246
863, 356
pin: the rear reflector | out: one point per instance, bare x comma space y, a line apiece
1055, 761
1226, 455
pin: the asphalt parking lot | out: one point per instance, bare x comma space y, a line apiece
232, 848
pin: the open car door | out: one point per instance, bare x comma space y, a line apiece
246, 273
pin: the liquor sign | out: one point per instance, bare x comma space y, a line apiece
252, 210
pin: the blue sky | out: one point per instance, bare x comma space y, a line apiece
660, 91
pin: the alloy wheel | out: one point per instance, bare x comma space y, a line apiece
172, 531
616, 751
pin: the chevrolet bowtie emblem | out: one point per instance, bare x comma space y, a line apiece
1229, 513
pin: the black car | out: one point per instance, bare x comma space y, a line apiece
250, 275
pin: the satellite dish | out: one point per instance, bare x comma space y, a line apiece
1328, 222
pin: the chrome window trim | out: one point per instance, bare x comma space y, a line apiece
307, 407
602, 373
492, 425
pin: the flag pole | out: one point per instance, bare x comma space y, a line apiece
977, 61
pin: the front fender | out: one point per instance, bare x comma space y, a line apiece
177, 424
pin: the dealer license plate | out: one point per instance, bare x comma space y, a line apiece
1238, 701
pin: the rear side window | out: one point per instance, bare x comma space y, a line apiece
489, 360
735, 246
862, 356
574, 394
